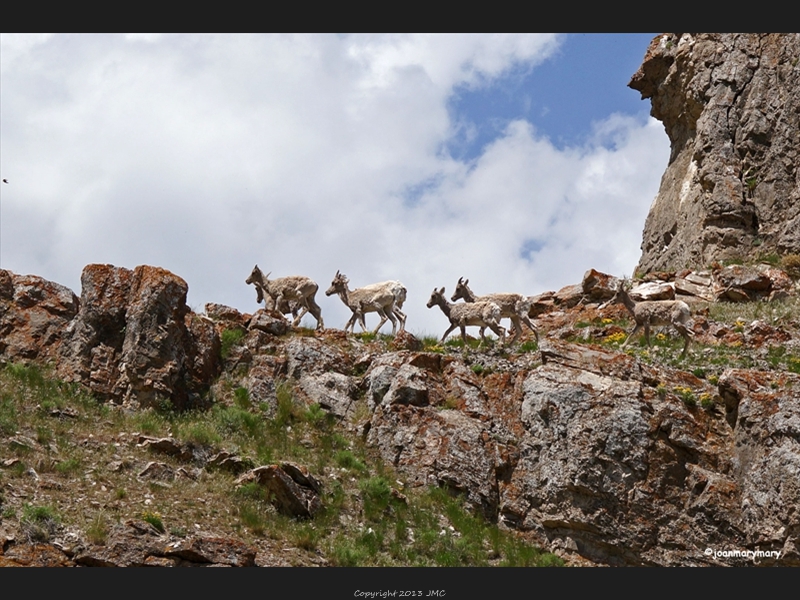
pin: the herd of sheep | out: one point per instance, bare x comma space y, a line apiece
296, 295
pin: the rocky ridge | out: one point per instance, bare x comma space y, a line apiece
602, 456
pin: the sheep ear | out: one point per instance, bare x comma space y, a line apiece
441, 291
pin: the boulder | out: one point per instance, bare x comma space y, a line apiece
290, 490
135, 341
34, 313
597, 286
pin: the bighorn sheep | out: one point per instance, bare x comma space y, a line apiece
657, 313
385, 298
512, 306
481, 314
285, 290
286, 307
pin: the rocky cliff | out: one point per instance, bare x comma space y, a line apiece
730, 104
604, 456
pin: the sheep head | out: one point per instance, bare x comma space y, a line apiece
437, 297
338, 284
462, 291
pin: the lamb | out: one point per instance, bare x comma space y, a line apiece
285, 290
512, 306
656, 312
482, 314
286, 307
385, 298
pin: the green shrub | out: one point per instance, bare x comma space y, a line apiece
286, 411
376, 495
229, 339
706, 401
154, 519
39, 523
347, 460
687, 395
200, 433
241, 398
69, 466
98, 530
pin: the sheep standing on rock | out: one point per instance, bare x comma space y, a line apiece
656, 312
285, 290
384, 298
478, 314
512, 306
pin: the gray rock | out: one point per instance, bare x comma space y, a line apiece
334, 392
730, 104
408, 387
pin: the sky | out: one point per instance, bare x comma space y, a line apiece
516, 161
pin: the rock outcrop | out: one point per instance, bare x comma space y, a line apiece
135, 340
730, 104
130, 339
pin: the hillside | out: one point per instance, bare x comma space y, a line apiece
226, 438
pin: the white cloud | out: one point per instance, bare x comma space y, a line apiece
208, 154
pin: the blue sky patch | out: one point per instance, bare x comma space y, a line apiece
584, 81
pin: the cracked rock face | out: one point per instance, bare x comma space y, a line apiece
134, 339
730, 104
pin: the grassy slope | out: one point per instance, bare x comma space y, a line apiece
73, 463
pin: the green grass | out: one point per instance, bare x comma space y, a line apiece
229, 339
414, 534
69, 466
368, 517
154, 519
39, 523
778, 313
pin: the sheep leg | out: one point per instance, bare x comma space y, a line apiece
517, 327
351, 323
277, 304
382, 314
401, 317
528, 322
635, 329
358, 315
685, 334
315, 310
647, 334
393, 319
499, 331
303, 312
449, 329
